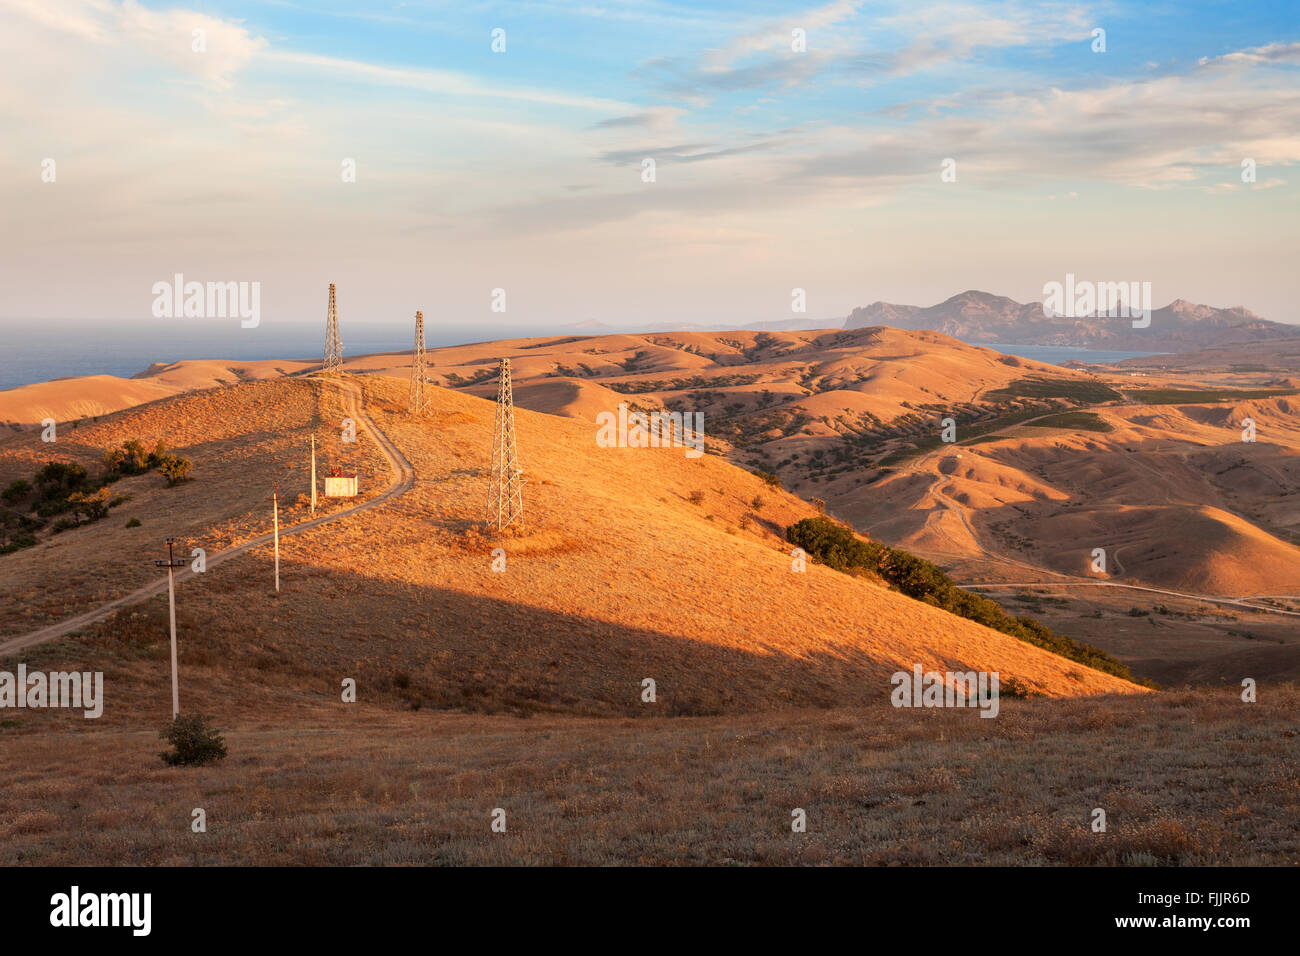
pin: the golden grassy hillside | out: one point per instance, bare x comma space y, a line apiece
1170, 492
244, 440
70, 399
634, 563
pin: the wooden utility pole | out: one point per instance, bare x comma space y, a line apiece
170, 564
313, 473
275, 516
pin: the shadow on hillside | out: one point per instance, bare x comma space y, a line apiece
437, 647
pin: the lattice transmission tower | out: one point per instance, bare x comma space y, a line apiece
419, 372
333, 344
505, 490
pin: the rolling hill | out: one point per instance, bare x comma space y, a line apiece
627, 569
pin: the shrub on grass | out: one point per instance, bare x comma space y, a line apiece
194, 742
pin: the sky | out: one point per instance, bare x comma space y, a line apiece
222, 155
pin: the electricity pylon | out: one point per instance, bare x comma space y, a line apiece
418, 369
505, 490
333, 345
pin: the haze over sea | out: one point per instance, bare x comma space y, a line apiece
41, 351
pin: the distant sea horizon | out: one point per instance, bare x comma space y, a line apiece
36, 352
32, 352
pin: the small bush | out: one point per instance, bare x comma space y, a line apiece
757, 503
58, 479
771, 479
175, 468
194, 742
133, 523
17, 490
19, 542
94, 505
130, 459
819, 504
696, 497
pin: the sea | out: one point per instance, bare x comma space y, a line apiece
32, 351
42, 351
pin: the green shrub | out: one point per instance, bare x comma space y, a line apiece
193, 741
175, 468
16, 490
771, 479
19, 542
130, 459
92, 504
58, 479
833, 544
837, 546
133, 523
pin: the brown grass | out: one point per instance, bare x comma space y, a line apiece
1192, 778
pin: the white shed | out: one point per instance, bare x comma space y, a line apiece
339, 484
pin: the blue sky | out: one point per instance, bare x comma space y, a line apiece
775, 168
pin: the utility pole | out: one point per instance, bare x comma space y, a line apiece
313, 472
333, 344
275, 516
170, 564
418, 372
505, 488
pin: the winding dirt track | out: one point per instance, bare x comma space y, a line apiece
916, 466
403, 481
1235, 602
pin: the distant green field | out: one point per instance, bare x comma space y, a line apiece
1080, 421
1202, 396
972, 432
1087, 392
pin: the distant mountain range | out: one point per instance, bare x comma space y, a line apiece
981, 317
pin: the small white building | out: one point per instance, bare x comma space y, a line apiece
339, 484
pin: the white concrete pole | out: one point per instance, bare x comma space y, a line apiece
171, 600
275, 512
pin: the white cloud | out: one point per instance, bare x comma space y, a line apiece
436, 81
167, 36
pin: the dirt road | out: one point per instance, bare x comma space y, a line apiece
403, 480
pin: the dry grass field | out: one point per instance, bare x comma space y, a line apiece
1185, 778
